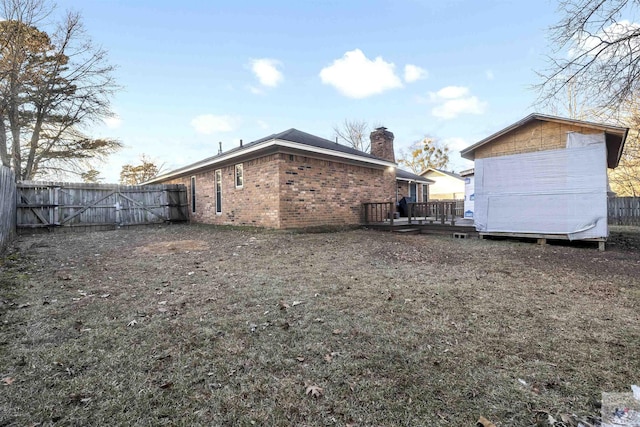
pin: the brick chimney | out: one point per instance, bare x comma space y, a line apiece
382, 144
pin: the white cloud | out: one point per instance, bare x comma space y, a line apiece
455, 100
267, 72
414, 73
255, 90
113, 122
449, 92
614, 32
208, 123
455, 143
489, 74
356, 76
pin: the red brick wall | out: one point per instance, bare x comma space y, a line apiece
256, 203
286, 191
318, 192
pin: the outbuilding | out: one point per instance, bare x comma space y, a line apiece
545, 177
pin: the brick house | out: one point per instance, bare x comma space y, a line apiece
292, 180
545, 177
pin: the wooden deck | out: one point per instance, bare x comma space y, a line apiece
462, 228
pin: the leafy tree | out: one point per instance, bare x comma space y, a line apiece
595, 48
137, 174
355, 133
52, 86
91, 176
424, 154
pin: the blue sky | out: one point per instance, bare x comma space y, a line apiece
198, 72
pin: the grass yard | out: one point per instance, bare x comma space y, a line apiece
197, 325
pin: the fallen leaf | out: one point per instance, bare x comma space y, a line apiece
314, 391
166, 385
483, 422
300, 359
283, 305
337, 331
162, 302
132, 323
8, 380
105, 295
297, 303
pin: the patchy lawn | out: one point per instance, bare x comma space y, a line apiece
196, 325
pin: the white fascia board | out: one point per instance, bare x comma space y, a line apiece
413, 180
267, 144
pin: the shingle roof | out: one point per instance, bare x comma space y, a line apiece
409, 176
294, 135
290, 135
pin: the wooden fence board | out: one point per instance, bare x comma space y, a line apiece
61, 204
7, 206
624, 210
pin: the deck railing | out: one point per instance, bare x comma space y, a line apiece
435, 211
379, 212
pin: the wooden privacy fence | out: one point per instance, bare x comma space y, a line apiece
624, 210
7, 206
56, 204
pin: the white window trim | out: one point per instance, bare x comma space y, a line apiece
216, 183
235, 175
193, 194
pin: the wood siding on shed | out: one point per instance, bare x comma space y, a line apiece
534, 136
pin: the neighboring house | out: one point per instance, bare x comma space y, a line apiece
291, 180
545, 176
469, 192
446, 185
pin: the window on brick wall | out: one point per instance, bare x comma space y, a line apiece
239, 176
219, 191
193, 194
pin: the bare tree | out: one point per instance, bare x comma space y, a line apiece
52, 86
424, 154
596, 49
355, 133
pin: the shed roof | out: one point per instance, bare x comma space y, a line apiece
293, 139
615, 136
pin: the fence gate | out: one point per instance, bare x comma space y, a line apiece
51, 204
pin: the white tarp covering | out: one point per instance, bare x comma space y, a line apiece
469, 196
546, 192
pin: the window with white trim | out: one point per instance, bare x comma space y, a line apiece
239, 176
193, 194
218, 191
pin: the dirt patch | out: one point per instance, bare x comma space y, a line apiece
176, 246
196, 325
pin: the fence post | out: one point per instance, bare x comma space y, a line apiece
392, 211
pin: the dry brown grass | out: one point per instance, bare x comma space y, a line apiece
195, 325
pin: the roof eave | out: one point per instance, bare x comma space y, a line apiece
468, 153
262, 146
